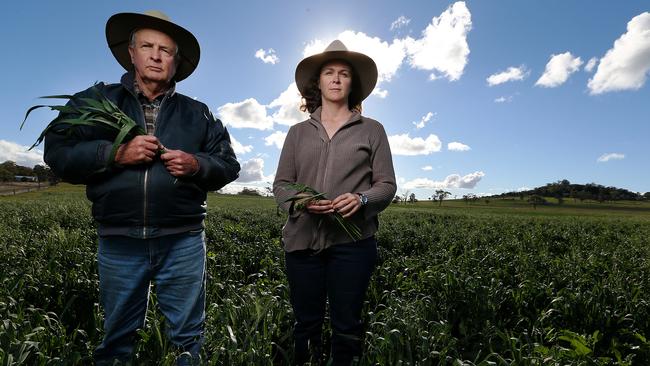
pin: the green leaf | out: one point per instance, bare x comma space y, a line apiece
118, 140
30, 111
62, 96
93, 103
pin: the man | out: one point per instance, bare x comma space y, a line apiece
150, 202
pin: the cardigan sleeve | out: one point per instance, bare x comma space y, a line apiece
383, 184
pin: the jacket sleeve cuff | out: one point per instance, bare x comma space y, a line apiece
104, 153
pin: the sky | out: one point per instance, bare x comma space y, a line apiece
476, 97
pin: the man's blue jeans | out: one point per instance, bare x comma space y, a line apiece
127, 267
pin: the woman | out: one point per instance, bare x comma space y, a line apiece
346, 156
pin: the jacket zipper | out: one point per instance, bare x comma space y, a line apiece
327, 164
144, 185
146, 172
321, 245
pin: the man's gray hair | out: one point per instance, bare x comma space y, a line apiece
177, 54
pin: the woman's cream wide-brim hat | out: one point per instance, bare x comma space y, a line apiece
363, 66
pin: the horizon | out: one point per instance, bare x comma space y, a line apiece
475, 98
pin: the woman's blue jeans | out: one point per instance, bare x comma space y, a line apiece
128, 267
339, 274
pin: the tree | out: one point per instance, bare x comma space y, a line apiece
405, 197
441, 194
249, 192
8, 170
412, 198
5, 174
41, 172
536, 200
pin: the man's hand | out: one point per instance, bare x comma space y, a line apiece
180, 163
141, 150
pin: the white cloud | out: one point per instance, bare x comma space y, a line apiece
252, 114
289, 112
612, 156
387, 56
18, 154
235, 188
589, 67
503, 99
558, 69
443, 46
268, 56
400, 22
381, 93
315, 46
457, 146
468, 181
511, 74
247, 114
238, 147
405, 145
252, 170
423, 120
427, 168
626, 65
276, 138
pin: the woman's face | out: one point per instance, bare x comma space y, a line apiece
335, 82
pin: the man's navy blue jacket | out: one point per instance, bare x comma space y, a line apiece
146, 196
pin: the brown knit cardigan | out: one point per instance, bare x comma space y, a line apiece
356, 160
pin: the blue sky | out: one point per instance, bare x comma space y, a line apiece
476, 97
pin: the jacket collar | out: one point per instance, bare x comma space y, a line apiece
316, 117
128, 81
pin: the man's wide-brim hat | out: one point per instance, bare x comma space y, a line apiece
364, 67
118, 35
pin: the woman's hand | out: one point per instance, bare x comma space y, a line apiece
347, 204
320, 207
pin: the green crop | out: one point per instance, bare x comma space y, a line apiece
451, 288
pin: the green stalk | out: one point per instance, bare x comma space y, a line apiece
305, 195
94, 112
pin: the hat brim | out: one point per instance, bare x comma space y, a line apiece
118, 32
363, 65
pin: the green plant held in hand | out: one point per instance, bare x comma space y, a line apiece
305, 195
94, 112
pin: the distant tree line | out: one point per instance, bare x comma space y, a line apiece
9, 170
563, 189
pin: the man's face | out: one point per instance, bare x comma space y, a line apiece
153, 56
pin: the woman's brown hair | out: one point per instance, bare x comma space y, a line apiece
312, 98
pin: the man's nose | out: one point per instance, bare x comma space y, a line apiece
156, 54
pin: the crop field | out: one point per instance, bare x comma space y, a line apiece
456, 284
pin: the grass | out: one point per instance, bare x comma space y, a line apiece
458, 284
631, 210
